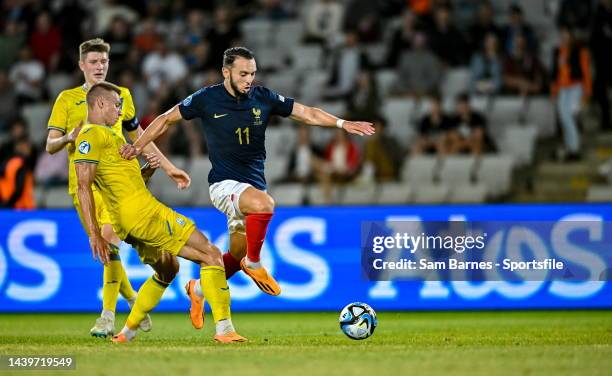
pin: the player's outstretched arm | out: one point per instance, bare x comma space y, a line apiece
56, 140
316, 116
158, 127
86, 173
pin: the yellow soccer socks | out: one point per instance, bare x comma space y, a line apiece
216, 292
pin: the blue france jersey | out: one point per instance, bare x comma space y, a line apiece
235, 130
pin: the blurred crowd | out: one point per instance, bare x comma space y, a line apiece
164, 50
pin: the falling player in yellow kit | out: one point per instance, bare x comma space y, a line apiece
158, 233
68, 114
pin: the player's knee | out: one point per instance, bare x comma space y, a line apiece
264, 204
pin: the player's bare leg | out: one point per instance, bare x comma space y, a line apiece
115, 282
149, 295
213, 285
258, 207
231, 262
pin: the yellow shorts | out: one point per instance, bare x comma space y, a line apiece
102, 214
163, 231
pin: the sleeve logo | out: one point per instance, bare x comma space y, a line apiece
84, 147
281, 98
187, 101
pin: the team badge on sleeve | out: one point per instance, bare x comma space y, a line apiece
84, 147
187, 101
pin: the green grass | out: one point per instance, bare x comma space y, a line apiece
406, 343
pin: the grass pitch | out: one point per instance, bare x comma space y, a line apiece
416, 343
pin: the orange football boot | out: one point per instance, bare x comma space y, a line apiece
196, 312
262, 279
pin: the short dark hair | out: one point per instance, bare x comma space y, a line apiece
463, 97
93, 45
230, 55
97, 90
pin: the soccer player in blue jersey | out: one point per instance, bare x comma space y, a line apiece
235, 114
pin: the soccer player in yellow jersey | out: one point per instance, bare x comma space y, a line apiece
68, 114
158, 233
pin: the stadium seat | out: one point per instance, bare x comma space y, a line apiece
306, 58
468, 193
376, 53
270, 58
398, 112
284, 83
257, 32
506, 110
519, 142
288, 33
275, 169
457, 169
37, 116
495, 172
420, 170
358, 194
599, 193
57, 197
385, 78
431, 193
312, 86
288, 194
58, 82
455, 81
198, 168
394, 193
316, 197
541, 112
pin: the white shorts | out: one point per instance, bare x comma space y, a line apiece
225, 196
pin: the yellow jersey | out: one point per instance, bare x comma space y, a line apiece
70, 110
119, 181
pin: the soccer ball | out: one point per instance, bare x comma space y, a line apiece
358, 320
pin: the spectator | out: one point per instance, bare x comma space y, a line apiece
119, 37
486, 68
601, 48
11, 41
323, 20
342, 155
306, 160
273, 9
27, 76
419, 70
46, 41
16, 181
445, 40
52, 169
223, 34
163, 65
8, 101
576, 15
147, 37
483, 26
472, 129
106, 12
437, 131
402, 38
345, 67
362, 17
200, 62
17, 129
571, 86
523, 72
382, 154
364, 101
518, 26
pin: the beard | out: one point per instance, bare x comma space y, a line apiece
236, 89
